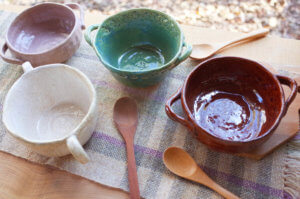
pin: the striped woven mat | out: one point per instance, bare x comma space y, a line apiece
267, 178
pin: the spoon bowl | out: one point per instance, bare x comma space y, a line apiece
125, 112
204, 51
179, 162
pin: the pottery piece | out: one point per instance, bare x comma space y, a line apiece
232, 104
139, 46
52, 109
43, 34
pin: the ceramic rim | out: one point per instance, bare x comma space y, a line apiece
54, 47
159, 69
87, 116
190, 115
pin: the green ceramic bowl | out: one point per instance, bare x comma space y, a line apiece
139, 46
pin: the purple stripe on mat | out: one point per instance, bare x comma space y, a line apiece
234, 179
108, 138
117, 142
286, 195
297, 136
245, 183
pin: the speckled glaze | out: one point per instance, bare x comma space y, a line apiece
232, 104
138, 27
44, 34
52, 109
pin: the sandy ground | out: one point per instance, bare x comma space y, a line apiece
281, 16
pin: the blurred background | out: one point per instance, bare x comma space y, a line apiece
281, 16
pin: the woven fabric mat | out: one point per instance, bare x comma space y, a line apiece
244, 177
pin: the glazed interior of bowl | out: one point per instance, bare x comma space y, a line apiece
234, 99
47, 104
138, 39
41, 28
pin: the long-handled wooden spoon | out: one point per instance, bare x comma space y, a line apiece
182, 164
203, 51
126, 120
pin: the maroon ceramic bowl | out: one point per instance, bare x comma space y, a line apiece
232, 104
44, 34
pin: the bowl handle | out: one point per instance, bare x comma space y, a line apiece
87, 34
184, 55
7, 59
292, 84
173, 115
27, 67
77, 150
77, 6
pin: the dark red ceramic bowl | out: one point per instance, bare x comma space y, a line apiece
232, 104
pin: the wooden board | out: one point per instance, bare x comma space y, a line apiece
287, 129
21, 179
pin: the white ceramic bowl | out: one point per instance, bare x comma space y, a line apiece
52, 109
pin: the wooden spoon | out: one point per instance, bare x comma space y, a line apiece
126, 120
203, 51
182, 164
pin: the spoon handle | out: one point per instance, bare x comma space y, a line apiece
225, 193
132, 173
200, 177
249, 36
